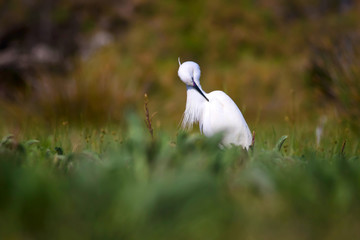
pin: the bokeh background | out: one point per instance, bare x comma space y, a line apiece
92, 61
78, 162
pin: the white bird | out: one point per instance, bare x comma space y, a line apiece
215, 112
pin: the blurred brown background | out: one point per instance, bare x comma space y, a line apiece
92, 61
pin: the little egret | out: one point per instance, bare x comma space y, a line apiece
215, 112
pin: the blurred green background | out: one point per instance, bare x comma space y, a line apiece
92, 61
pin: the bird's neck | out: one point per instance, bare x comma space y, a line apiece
194, 107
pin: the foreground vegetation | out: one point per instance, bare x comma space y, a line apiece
82, 183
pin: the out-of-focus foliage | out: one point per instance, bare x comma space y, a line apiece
335, 73
106, 183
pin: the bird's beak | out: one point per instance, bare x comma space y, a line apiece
179, 61
199, 90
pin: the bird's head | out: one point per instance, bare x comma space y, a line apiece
189, 72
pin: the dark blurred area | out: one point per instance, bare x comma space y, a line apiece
38, 36
334, 72
54, 54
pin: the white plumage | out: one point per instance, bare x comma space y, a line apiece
215, 112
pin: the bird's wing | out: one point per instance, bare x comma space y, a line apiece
224, 115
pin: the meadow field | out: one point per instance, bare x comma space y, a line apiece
91, 105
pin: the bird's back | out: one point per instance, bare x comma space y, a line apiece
221, 114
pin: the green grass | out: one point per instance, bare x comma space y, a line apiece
116, 183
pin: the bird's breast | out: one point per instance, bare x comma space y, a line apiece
213, 119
